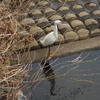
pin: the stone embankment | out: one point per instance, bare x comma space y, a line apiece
82, 25
80, 30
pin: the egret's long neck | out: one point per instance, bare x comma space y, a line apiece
55, 31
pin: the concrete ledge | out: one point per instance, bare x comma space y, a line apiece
69, 48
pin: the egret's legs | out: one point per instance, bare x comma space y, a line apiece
50, 54
49, 49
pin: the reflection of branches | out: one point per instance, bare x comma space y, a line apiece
78, 60
78, 80
76, 63
38, 76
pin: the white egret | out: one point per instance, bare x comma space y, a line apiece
52, 36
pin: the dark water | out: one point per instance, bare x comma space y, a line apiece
72, 80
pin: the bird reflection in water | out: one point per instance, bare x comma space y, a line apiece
49, 74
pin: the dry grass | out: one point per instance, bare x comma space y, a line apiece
11, 69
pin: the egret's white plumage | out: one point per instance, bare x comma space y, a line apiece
52, 36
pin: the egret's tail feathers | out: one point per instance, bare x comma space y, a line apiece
40, 44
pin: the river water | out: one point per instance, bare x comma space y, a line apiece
74, 78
